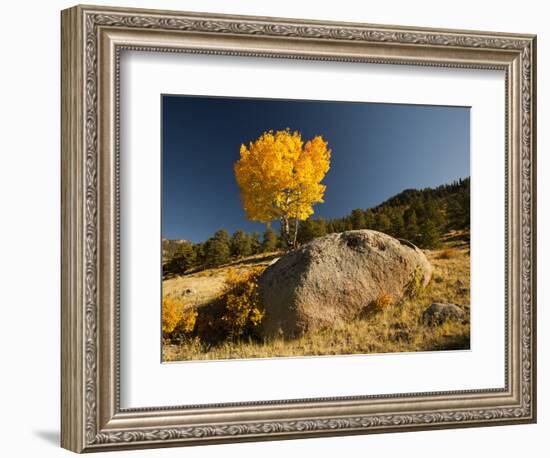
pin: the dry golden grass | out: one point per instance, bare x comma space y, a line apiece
448, 253
201, 288
392, 328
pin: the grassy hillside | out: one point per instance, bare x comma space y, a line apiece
211, 305
201, 287
391, 328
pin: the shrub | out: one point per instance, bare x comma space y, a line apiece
448, 253
171, 314
188, 320
243, 311
382, 301
177, 318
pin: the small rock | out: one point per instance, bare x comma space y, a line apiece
437, 313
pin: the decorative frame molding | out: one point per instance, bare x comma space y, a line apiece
92, 39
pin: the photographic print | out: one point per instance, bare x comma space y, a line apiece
304, 221
307, 228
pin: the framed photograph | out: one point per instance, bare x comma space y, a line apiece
278, 228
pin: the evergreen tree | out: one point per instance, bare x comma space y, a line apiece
370, 219
397, 224
357, 219
418, 206
270, 241
222, 236
348, 224
433, 212
411, 225
255, 243
429, 235
336, 225
383, 222
319, 227
184, 258
217, 249
306, 231
199, 254
459, 211
241, 244
312, 228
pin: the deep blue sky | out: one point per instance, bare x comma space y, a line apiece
378, 150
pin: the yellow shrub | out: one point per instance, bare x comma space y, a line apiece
171, 314
187, 321
382, 301
176, 317
243, 311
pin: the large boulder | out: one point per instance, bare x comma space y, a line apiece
335, 278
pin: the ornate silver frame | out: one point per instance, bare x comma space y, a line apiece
92, 39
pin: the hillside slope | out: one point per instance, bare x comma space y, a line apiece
396, 328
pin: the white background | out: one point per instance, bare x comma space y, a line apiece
146, 75
29, 242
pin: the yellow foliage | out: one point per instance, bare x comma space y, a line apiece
171, 314
187, 321
280, 176
382, 301
243, 310
177, 317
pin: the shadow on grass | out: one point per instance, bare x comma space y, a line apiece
459, 342
246, 262
168, 274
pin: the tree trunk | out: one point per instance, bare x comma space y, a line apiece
295, 241
285, 230
289, 235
